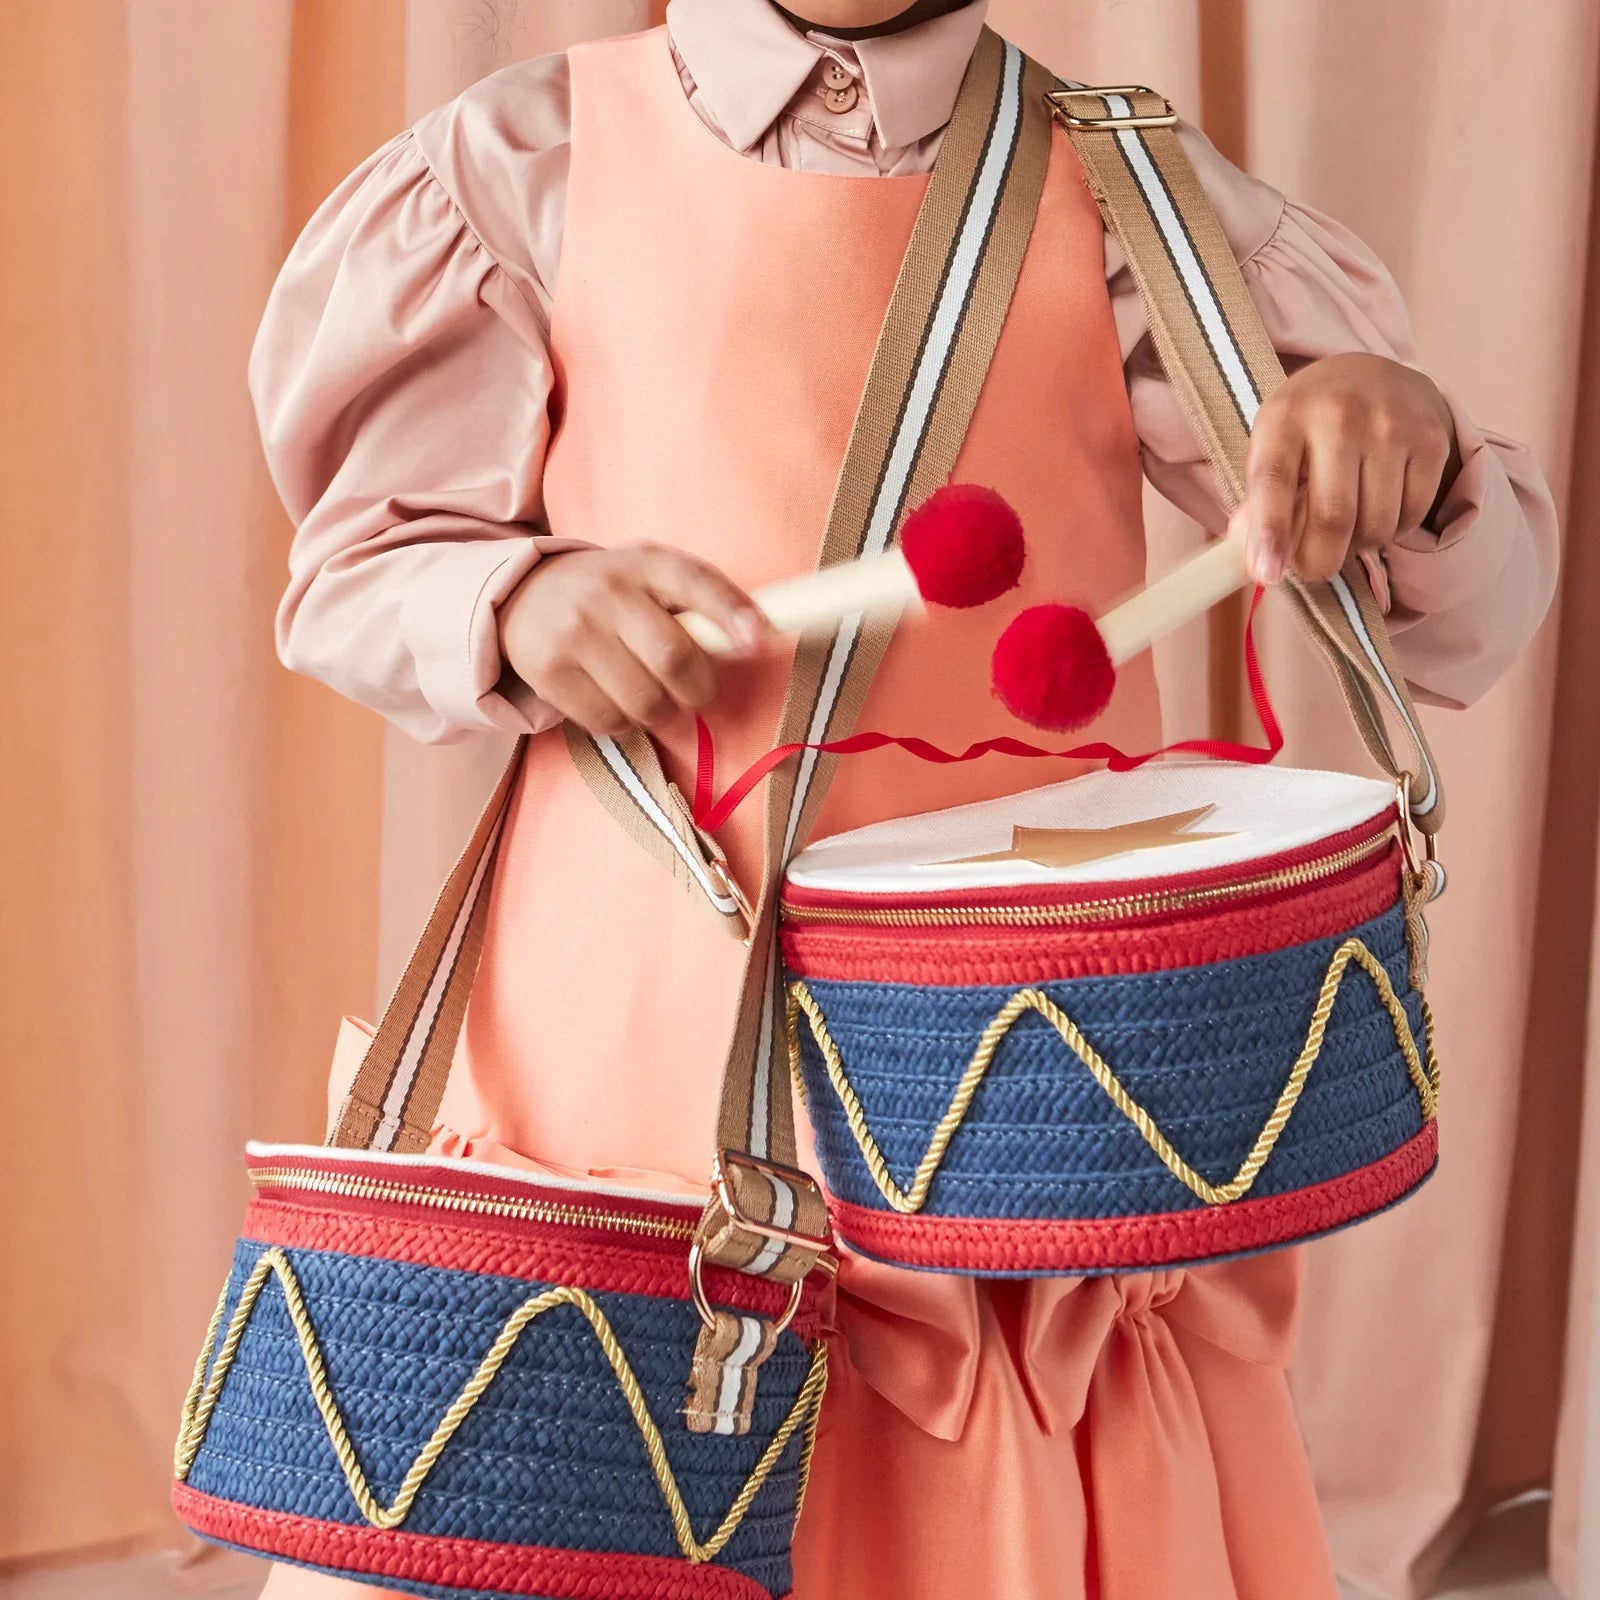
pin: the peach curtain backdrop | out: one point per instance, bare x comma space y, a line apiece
207, 861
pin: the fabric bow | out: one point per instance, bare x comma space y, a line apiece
918, 1338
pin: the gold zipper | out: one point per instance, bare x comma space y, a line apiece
477, 1205
1108, 910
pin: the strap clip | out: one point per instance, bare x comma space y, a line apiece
1058, 99
1424, 871
815, 1250
722, 876
702, 1304
722, 1170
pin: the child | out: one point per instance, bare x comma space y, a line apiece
582, 349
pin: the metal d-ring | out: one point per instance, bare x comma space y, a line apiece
697, 1293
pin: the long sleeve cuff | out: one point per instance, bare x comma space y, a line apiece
450, 626
1465, 594
1469, 538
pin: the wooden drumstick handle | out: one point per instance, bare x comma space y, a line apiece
1185, 592
819, 600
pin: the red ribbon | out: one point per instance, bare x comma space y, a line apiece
710, 813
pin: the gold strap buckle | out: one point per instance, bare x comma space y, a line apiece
1107, 123
722, 1187
718, 868
723, 1193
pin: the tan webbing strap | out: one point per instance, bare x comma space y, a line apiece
392, 1103
1222, 366
943, 322
625, 774
939, 334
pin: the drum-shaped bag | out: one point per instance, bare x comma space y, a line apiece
465, 1380
1130, 1021
450, 1378
1119, 1023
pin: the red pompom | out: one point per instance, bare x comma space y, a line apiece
964, 546
1051, 668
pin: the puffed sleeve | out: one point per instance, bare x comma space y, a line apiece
1465, 594
401, 379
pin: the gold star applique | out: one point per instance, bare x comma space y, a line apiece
1075, 847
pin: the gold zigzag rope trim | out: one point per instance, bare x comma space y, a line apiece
1424, 1077
203, 1395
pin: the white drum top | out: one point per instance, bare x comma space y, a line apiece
1110, 827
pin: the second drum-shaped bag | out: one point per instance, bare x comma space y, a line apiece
1129, 1021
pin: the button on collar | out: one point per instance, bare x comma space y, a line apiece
836, 86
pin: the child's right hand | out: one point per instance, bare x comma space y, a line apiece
592, 633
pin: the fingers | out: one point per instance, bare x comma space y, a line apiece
1333, 500
592, 633
1359, 445
682, 583
1425, 472
633, 688
664, 649
1382, 494
1352, 479
571, 691
1272, 487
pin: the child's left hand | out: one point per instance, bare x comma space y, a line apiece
1369, 445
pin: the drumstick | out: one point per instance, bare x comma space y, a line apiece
1056, 666
821, 598
963, 546
1194, 586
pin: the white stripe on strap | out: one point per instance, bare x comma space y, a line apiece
944, 328
613, 757
783, 1209
750, 1334
1230, 359
410, 1062
1241, 385
1423, 804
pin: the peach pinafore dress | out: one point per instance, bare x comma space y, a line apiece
714, 321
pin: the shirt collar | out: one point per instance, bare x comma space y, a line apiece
748, 64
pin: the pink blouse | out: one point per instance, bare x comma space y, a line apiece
402, 374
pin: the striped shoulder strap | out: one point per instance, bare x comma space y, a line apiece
932, 354
942, 325
939, 335
1221, 363
626, 775
401, 1080
766, 1217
